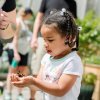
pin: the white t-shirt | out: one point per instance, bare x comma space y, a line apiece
24, 37
54, 68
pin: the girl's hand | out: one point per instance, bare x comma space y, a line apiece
21, 81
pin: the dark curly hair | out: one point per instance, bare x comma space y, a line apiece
65, 24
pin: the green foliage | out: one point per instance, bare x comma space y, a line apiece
89, 79
3, 70
93, 59
89, 37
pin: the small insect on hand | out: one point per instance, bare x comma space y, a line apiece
20, 74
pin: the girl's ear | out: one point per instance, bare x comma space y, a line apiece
66, 42
67, 39
70, 40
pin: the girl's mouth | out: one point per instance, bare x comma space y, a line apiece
49, 51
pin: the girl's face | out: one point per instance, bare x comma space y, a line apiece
54, 42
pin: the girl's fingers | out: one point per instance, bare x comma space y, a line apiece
14, 77
20, 81
17, 82
18, 85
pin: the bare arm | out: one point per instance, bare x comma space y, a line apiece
64, 84
36, 29
37, 24
13, 19
39, 77
12, 16
7, 18
15, 41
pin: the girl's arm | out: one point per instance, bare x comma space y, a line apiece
39, 77
64, 84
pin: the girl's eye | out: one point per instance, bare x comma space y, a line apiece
50, 40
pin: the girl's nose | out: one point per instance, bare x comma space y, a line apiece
45, 44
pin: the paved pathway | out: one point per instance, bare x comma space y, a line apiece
26, 94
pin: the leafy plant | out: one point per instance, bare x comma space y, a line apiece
89, 78
89, 36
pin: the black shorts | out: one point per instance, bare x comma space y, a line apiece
9, 51
24, 58
10, 55
4, 41
1, 48
23, 61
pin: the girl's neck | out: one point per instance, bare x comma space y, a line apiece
64, 53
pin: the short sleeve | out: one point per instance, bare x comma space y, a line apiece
43, 6
74, 67
9, 5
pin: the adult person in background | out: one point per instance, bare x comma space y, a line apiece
7, 22
8, 17
37, 41
20, 47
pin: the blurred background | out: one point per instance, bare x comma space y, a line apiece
88, 12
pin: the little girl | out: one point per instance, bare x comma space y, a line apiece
61, 68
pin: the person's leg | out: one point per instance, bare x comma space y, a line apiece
7, 95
